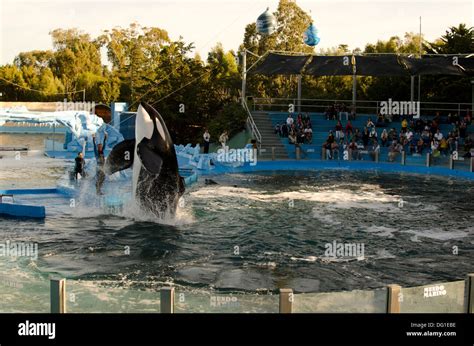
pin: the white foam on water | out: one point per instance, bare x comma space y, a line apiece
366, 197
325, 217
381, 231
439, 234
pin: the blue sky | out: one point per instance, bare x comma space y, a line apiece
25, 24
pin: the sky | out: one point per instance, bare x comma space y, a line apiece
25, 24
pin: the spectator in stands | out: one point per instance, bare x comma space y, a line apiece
380, 121
452, 142
392, 135
289, 121
299, 121
409, 135
404, 125
372, 134
468, 117
349, 128
284, 130
370, 123
278, 130
352, 115
434, 147
438, 135
418, 126
354, 152
394, 149
308, 131
292, 137
375, 148
357, 135
365, 137
419, 146
339, 132
443, 146
463, 129
384, 137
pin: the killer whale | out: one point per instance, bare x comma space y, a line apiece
157, 185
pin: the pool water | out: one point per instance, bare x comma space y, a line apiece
257, 233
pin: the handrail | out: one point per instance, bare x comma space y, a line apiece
252, 125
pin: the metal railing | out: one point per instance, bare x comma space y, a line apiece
251, 124
367, 107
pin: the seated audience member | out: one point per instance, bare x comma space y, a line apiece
365, 137
384, 137
349, 128
308, 134
419, 146
278, 130
284, 130
393, 151
392, 135
370, 123
292, 137
443, 146
354, 152
289, 121
375, 149
438, 135
339, 131
404, 125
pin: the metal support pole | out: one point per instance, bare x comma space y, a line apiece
376, 156
167, 300
286, 300
58, 296
273, 153
298, 152
354, 87
451, 162
404, 157
299, 93
469, 295
412, 88
244, 74
393, 301
471, 168
428, 160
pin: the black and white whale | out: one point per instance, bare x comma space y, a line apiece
157, 185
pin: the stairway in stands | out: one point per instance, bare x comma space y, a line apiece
269, 138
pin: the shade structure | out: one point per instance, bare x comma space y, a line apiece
363, 65
432, 66
329, 66
467, 65
384, 65
279, 64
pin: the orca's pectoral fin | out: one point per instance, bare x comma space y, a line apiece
121, 157
181, 188
151, 160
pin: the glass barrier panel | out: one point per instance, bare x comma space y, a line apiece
24, 295
437, 298
91, 297
210, 302
374, 301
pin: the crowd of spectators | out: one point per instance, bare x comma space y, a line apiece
298, 131
416, 137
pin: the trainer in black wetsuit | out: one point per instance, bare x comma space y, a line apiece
100, 159
79, 167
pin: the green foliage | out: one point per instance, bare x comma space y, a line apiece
144, 64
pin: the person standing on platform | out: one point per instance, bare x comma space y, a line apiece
207, 138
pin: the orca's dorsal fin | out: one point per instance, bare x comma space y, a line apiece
121, 157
